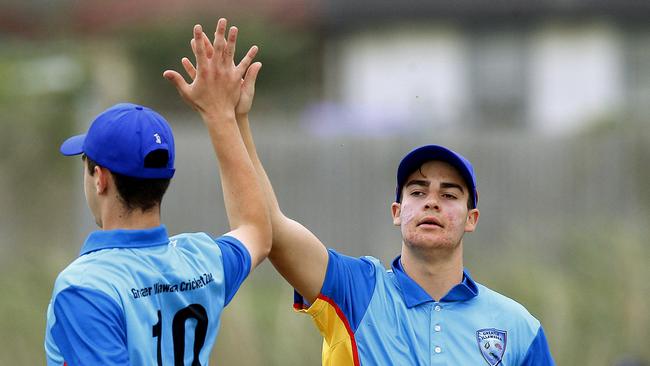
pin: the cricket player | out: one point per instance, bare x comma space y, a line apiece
135, 295
426, 309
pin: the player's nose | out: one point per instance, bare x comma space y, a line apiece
432, 202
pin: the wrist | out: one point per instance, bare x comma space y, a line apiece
218, 115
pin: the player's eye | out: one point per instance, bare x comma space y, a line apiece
449, 196
417, 193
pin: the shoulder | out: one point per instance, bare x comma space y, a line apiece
368, 260
199, 246
348, 275
501, 301
203, 241
198, 238
351, 279
89, 271
354, 266
508, 308
524, 331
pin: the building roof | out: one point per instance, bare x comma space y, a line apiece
345, 13
42, 18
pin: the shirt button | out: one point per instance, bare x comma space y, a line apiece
437, 350
437, 308
437, 328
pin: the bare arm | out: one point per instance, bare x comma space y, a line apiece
299, 256
214, 93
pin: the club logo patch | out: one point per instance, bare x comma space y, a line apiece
492, 343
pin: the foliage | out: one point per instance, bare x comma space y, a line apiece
288, 56
590, 292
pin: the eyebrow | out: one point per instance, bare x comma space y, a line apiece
417, 182
452, 185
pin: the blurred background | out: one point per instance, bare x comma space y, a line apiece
549, 99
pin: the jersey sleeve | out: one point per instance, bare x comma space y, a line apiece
89, 328
348, 287
236, 264
538, 353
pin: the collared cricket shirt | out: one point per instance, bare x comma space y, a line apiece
139, 297
370, 316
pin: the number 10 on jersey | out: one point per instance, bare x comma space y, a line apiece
194, 311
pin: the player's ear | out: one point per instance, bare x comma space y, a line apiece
396, 209
472, 220
102, 178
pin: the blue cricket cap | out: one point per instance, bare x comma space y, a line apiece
121, 137
413, 160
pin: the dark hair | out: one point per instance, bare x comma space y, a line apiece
138, 193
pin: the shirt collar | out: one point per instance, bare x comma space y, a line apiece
122, 238
414, 295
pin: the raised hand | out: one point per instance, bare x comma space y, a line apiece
248, 82
214, 91
216, 81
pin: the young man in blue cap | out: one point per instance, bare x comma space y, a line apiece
136, 296
425, 310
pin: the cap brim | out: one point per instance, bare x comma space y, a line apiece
73, 146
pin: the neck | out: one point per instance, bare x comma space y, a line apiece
120, 218
436, 271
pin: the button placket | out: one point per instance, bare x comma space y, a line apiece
437, 343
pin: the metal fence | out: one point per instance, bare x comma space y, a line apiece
342, 188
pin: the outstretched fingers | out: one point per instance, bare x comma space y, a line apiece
251, 76
208, 46
198, 47
247, 60
219, 37
189, 68
229, 51
209, 51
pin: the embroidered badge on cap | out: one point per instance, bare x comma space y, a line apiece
492, 343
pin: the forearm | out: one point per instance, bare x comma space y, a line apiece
296, 252
241, 191
266, 186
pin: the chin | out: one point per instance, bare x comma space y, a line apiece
431, 243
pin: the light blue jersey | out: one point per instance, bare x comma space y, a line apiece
373, 317
138, 297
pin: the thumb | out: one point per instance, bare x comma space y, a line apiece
251, 75
177, 80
